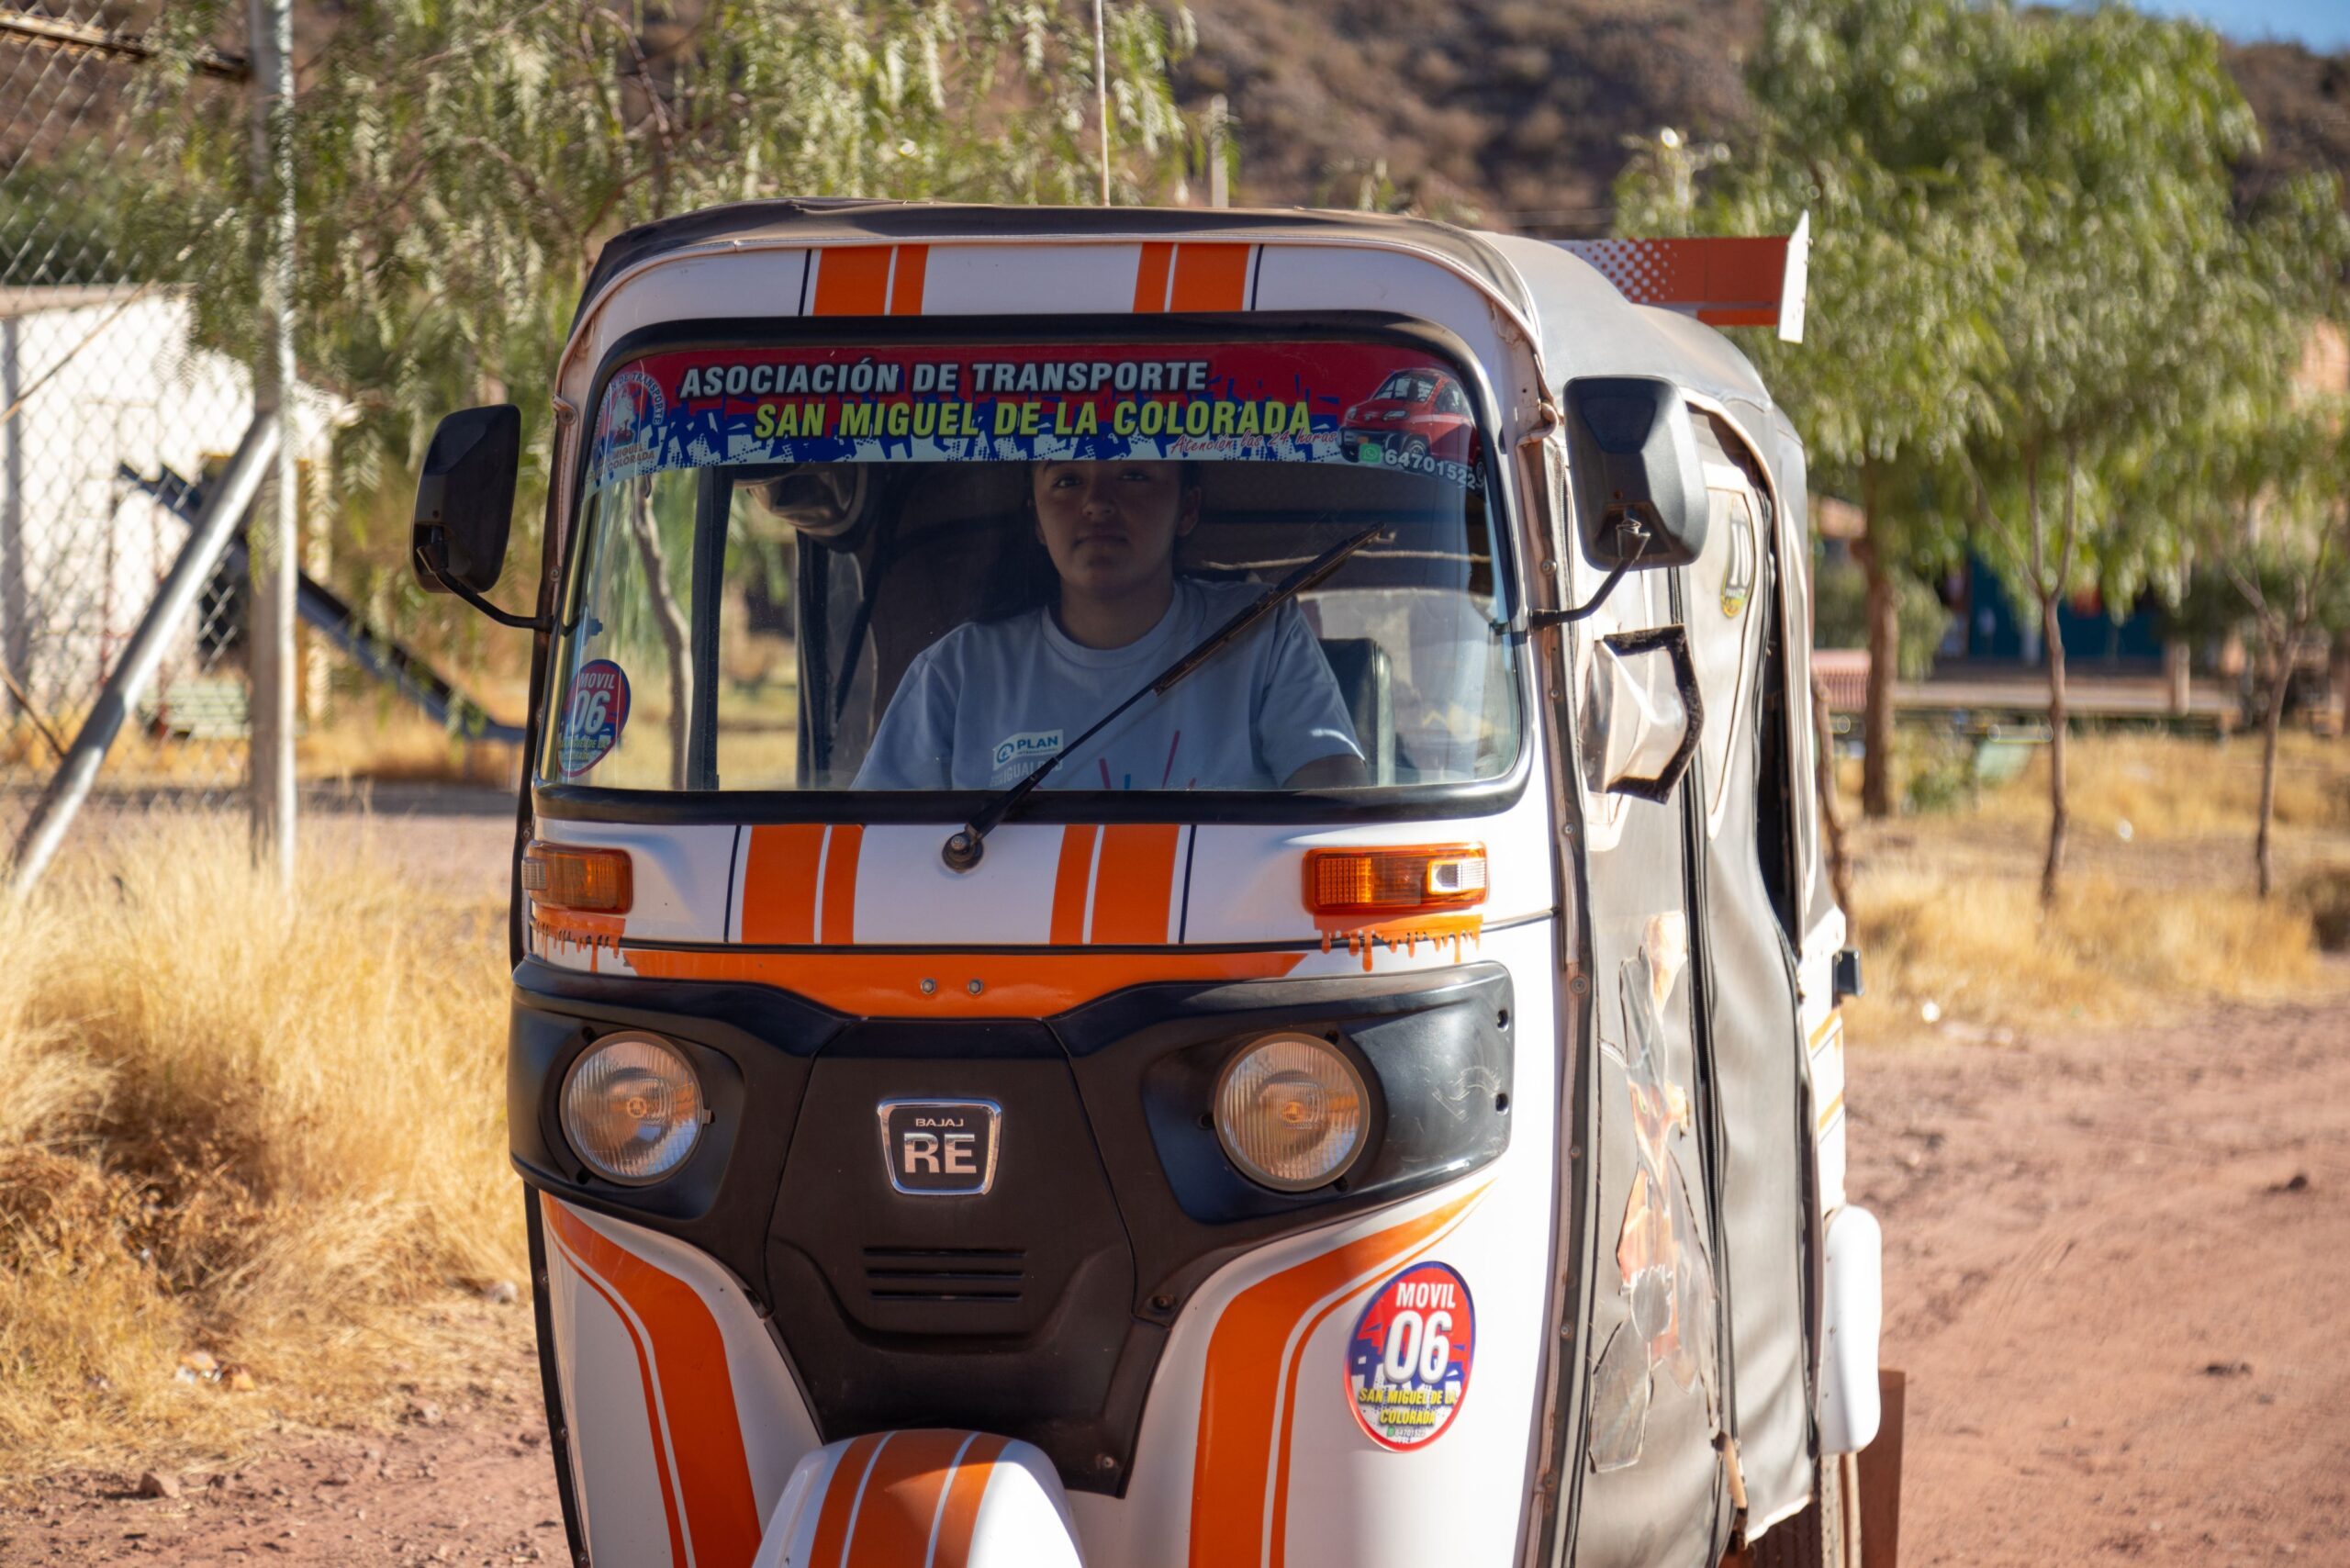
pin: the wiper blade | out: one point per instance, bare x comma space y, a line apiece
962, 851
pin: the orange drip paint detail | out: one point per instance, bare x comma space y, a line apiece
684, 1364
779, 883
959, 1518
1211, 278
1011, 985
1150, 278
1071, 878
838, 1516
575, 928
1252, 1354
906, 280
1134, 883
1405, 935
901, 1496
839, 893
851, 280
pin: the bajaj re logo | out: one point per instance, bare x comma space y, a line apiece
940, 1148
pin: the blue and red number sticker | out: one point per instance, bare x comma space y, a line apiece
1408, 1358
593, 721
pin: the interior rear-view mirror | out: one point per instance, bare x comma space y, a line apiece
1632, 465
1641, 713
464, 499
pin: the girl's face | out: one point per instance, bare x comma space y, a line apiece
1110, 528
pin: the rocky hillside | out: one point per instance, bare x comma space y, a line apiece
1512, 113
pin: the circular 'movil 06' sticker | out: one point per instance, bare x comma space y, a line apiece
1408, 1358
594, 720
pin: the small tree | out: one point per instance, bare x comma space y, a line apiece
1868, 116
2111, 173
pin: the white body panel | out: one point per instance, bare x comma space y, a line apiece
684, 1422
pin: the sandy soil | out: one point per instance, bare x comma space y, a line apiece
2116, 1264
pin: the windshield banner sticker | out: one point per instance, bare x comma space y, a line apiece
1362, 403
594, 720
1408, 1358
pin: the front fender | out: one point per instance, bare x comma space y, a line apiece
928, 1498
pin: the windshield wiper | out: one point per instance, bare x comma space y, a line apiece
962, 851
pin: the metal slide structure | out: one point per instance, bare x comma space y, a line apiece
381, 656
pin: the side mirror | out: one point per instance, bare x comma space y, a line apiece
464, 499
1632, 460
1641, 713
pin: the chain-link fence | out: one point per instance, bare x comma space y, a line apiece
112, 419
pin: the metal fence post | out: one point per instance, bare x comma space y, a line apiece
45, 830
273, 549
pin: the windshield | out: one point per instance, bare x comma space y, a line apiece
931, 568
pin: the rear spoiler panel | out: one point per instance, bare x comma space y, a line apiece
1724, 282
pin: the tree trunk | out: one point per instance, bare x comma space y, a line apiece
1885, 653
1831, 815
2059, 818
2271, 721
671, 622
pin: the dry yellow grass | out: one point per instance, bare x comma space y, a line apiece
2168, 787
403, 748
2154, 918
258, 1128
1980, 950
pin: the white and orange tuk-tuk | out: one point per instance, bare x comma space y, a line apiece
1169, 911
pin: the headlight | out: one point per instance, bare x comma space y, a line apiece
1290, 1111
632, 1108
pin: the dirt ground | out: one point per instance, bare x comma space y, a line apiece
2116, 1264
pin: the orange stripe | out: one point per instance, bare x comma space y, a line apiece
1739, 315
1070, 880
839, 1515
644, 1373
894, 1523
1151, 278
1211, 278
1131, 887
690, 1359
961, 1518
840, 883
779, 883
1828, 1118
905, 289
1245, 1363
851, 280
1011, 985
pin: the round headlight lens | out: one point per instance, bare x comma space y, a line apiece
1290, 1111
632, 1108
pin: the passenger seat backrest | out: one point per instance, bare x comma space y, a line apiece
1366, 680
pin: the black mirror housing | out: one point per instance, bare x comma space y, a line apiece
464, 499
1638, 485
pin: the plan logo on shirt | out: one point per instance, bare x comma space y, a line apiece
1016, 755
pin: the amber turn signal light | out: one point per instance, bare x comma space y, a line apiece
564, 876
1395, 881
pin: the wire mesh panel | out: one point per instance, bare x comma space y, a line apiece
112, 417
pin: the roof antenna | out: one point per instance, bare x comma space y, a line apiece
1101, 98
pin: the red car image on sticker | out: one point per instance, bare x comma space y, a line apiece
1416, 413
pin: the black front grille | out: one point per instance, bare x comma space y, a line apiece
974, 1275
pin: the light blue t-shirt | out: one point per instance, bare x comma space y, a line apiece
987, 703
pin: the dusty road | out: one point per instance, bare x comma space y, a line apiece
2117, 1270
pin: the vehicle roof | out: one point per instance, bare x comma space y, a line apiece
1582, 323
856, 220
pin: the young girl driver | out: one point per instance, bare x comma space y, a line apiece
988, 701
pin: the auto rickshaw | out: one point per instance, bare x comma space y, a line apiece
1119, 961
